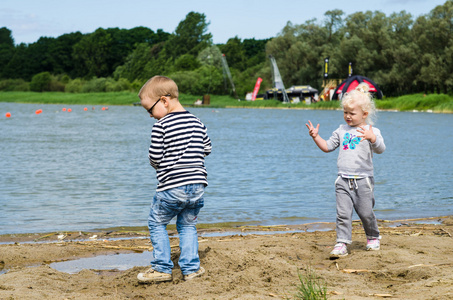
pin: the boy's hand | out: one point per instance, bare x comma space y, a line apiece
312, 131
367, 134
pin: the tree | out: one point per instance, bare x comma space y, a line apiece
190, 36
403, 66
434, 37
186, 62
19, 64
143, 62
333, 22
210, 56
298, 50
6, 50
62, 53
235, 53
6, 37
93, 55
145, 35
255, 51
40, 55
135, 63
124, 42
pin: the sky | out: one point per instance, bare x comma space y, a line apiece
260, 19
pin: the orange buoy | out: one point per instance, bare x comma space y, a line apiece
64, 109
85, 109
8, 114
103, 108
69, 110
38, 111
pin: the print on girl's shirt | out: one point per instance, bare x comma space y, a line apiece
350, 141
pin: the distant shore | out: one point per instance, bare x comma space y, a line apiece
438, 103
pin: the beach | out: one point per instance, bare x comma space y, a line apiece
246, 262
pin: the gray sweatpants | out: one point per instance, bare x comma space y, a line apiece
355, 194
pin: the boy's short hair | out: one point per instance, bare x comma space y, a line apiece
158, 86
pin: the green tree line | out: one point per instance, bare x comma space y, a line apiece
401, 53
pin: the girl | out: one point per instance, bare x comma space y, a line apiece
357, 140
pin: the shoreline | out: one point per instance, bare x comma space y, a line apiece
331, 108
435, 103
248, 107
214, 230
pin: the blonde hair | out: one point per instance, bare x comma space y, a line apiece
363, 98
158, 86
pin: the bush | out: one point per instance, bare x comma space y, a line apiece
41, 82
136, 85
64, 79
186, 62
98, 85
121, 84
56, 85
95, 85
74, 86
188, 82
14, 85
205, 80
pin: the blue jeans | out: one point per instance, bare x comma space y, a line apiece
185, 203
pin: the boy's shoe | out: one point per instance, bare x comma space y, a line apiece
339, 250
373, 244
194, 274
151, 275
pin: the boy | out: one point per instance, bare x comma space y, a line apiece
179, 143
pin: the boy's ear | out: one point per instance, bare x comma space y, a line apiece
165, 101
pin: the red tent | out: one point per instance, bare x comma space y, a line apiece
351, 83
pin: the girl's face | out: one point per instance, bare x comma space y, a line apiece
354, 115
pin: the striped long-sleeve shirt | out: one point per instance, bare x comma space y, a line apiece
179, 143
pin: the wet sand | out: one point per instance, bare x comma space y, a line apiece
245, 262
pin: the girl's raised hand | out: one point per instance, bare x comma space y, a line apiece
312, 131
367, 134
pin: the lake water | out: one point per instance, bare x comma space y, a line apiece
86, 170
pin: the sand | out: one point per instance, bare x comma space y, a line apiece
415, 262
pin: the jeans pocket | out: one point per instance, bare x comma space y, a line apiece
195, 203
199, 203
189, 216
163, 210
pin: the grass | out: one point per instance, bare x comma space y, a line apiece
433, 102
311, 286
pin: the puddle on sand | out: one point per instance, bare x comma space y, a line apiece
421, 222
104, 262
129, 260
